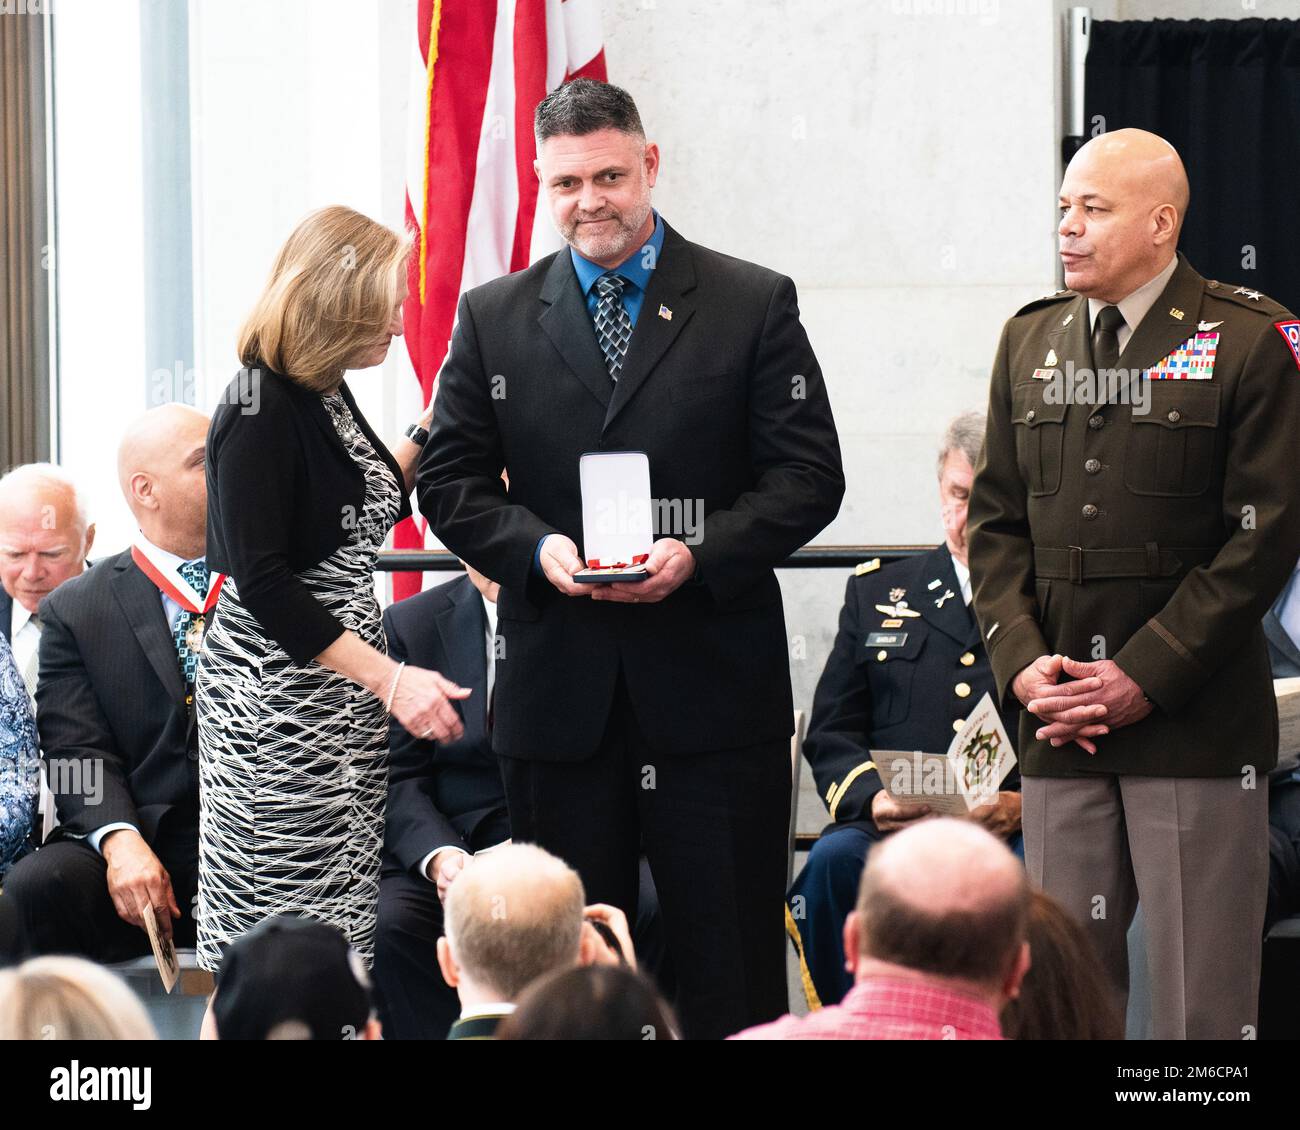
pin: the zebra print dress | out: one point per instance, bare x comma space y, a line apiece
293, 759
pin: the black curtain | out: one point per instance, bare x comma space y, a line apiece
1226, 94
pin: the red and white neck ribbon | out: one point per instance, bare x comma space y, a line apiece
597, 563
168, 578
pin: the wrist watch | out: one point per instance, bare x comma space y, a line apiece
417, 435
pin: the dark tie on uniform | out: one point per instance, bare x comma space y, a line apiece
613, 324
1105, 337
196, 575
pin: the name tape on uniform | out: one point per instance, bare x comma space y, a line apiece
886, 639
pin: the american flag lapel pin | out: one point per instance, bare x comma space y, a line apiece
665, 313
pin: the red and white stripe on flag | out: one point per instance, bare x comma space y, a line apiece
472, 197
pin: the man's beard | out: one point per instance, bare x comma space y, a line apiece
618, 243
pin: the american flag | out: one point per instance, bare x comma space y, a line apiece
472, 197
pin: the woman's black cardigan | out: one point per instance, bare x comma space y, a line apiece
283, 494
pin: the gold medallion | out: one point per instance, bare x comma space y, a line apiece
194, 634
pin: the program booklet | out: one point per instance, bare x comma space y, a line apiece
164, 951
968, 775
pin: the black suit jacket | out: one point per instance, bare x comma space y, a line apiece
111, 691
6, 613
282, 489
443, 795
1283, 654
897, 688
721, 389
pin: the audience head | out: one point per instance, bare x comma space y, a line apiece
68, 998
333, 301
1066, 994
160, 467
513, 915
292, 978
1123, 200
947, 900
596, 169
44, 535
959, 454
593, 1002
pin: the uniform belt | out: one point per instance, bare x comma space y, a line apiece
1075, 564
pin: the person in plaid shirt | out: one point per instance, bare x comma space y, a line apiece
936, 945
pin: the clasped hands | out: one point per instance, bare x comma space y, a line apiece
1098, 698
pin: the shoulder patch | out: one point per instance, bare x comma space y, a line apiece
1290, 331
867, 567
1046, 300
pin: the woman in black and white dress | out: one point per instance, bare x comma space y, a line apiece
294, 685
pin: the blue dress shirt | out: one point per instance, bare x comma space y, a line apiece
636, 269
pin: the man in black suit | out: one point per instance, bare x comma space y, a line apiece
652, 716
115, 715
445, 802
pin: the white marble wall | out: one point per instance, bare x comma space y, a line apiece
1199, 10
898, 160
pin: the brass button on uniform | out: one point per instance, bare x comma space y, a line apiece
882, 655
1174, 416
1029, 416
967, 659
1095, 422
1092, 466
958, 723
962, 690
1089, 512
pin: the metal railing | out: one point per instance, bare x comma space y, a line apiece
810, 557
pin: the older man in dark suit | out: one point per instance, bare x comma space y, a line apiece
116, 719
656, 715
906, 669
445, 802
45, 539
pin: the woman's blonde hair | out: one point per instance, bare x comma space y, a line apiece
69, 998
331, 293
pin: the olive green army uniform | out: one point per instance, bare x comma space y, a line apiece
1154, 528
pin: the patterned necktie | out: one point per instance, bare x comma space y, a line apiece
196, 574
1105, 337
613, 324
